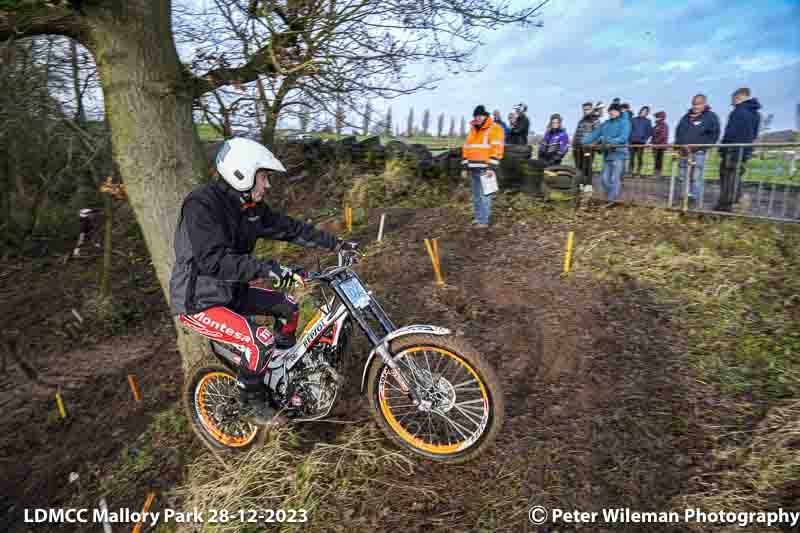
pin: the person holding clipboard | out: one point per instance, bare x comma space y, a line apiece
481, 155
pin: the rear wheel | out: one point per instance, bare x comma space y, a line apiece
462, 408
211, 400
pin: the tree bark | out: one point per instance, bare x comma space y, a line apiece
80, 113
148, 102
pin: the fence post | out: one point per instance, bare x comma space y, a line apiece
737, 176
688, 177
671, 182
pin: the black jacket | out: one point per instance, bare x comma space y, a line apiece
213, 241
742, 126
702, 129
586, 126
519, 133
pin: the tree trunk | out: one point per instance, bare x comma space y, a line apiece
108, 225
273, 111
80, 113
149, 108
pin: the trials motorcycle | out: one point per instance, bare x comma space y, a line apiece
427, 389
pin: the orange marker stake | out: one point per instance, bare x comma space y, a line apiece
134, 388
435, 261
147, 502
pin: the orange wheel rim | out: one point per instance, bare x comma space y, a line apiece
208, 387
412, 439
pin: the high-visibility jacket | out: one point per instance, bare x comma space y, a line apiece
484, 146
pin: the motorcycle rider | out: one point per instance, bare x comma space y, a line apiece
218, 227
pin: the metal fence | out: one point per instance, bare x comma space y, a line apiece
757, 180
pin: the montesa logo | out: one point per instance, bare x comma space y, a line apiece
313, 333
264, 336
221, 327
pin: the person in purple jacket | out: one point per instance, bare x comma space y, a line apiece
555, 144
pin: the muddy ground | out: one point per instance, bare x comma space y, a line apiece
589, 370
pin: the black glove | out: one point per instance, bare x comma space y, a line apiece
285, 277
346, 246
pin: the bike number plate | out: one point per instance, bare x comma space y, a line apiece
355, 292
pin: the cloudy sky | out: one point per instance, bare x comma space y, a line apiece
657, 52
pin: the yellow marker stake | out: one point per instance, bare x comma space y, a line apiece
568, 255
146, 508
60, 405
435, 261
348, 218
134, 388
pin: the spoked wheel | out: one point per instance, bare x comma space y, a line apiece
461, 408
211, 400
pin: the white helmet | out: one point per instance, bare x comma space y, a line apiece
238, 160
521, 108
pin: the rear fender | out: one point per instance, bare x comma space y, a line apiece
383, 345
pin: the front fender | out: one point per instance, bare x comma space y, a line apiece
402, 332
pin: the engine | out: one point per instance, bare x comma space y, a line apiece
313, 385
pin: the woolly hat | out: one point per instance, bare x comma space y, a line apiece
480, 110
615, 107
661, 115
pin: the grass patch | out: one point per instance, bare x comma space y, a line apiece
734, 287
337, 483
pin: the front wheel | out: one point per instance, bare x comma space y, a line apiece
462, 402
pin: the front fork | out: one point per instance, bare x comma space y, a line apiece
409, 388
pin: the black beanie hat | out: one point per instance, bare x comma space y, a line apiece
615, 107
480, 110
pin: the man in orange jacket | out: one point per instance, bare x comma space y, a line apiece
481, 154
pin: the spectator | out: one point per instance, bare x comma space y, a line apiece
555, 144
699, 125
519, 133
660, 137
627, 113
613, 135
512, 123
587, 124
499, 121
742, 128
89, 221
641, 131
481, 155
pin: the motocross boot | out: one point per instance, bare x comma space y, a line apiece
256, 410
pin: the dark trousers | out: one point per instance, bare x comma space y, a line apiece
584, 163
659, 159
552, 158
637, 160
731, 172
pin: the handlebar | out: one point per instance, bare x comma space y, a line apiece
347, 258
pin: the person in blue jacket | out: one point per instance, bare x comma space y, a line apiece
699, 125
498, 119
641, 132
613, 135
742, 128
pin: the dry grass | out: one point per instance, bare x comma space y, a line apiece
342, 482
763, 475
